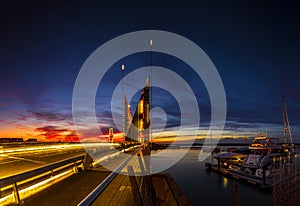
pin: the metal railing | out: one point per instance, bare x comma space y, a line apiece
101, 187
286, 184
26, 175
30, 175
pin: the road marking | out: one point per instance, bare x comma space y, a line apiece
122, 188
28, 160
7, 162
52, 154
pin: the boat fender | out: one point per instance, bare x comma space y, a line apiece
259, 172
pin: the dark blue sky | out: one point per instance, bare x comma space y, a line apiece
253, 44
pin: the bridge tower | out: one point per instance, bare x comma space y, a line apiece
140, 123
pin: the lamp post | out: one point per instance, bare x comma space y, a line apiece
150, 90
123, 102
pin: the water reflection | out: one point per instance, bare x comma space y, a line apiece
225, 182
209, 188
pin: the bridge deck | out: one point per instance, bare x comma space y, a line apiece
69, 191
158, 189
119, 192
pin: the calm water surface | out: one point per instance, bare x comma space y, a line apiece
204, 188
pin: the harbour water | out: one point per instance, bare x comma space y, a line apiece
209, 188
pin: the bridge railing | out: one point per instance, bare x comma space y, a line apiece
18, 179
103, 185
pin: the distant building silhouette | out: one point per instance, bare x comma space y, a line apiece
11, 140
31, 140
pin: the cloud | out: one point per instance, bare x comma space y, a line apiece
55, 133
42, 115
50, 116
19, 92
72, 137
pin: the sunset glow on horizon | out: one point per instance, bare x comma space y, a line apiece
43, 50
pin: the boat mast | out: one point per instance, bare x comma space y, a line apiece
286, 125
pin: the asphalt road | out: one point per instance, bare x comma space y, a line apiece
73, 189
68, 192
21, 159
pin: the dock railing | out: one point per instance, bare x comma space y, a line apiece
286, 183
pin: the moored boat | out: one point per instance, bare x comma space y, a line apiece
228, 159
260, 165
268, 158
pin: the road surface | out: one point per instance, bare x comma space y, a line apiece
21, 159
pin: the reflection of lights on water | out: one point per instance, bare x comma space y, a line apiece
225, 182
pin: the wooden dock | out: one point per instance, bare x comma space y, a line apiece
122, 192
